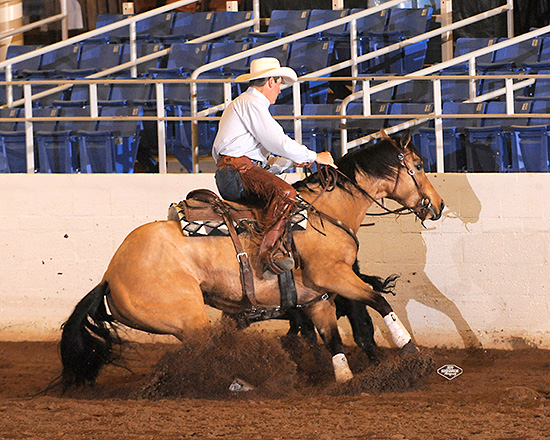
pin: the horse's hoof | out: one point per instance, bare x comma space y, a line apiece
409, 347
342, 373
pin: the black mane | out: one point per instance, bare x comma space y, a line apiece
379, 160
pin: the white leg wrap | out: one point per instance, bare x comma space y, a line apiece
341, 368
399, 333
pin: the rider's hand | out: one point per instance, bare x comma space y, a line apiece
303, 164
325, 158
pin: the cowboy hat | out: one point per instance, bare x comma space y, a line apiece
268, 67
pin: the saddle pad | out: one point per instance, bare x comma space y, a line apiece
207, 228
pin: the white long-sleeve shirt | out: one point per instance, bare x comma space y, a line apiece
248, 129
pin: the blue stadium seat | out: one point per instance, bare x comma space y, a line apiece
453, 136
284, 110
179, 134
18, 69
184, 58
54, 63
142, 49
282, 23
58, 149
132, 94
543, 62
223, 49
151, 27
281, 53
410, 22
371, 23
488, 146
112, 139
454, 160
400, 108
363, 127
414, 91
95, 57
466, 45
14, 141
318, 17
189, 25
306, 57
115, 35
225, 19
18, 163
541, 89
515, 56
530, 148
55, 150
322, 134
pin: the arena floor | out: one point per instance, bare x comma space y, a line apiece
184, 394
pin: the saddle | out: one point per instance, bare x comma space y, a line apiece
204, 208
205, 205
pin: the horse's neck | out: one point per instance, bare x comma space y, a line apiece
349, 208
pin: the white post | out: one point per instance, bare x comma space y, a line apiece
29, 141
256, 9
161, 128
447, 37
510, 17
438, 123
64, 20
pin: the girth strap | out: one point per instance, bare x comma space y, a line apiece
247, 277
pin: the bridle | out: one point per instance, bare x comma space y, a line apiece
426, 202
328, 177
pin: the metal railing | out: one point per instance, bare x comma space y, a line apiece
54, 18
196, 115
470, 58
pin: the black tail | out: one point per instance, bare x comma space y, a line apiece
89, 339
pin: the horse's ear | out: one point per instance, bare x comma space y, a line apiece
405, 139
384, 136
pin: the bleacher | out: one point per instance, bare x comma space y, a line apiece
111, 143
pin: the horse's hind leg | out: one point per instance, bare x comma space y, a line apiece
178, 311
323, 315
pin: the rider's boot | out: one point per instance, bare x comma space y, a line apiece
271, 254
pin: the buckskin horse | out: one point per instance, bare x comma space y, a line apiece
159, 280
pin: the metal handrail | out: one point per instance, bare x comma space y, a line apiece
59, 17
470, 58
353, 62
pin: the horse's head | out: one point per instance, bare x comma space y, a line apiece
411, 187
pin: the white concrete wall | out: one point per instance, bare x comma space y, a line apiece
479, 275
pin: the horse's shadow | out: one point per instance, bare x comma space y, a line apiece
462, 204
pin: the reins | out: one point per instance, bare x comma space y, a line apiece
328, 178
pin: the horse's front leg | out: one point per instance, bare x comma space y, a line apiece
349, 285
323, 315
361, 325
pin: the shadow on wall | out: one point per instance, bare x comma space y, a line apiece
461, 203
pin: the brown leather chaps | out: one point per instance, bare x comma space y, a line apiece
278, 195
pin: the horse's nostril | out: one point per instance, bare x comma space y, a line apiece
442, 205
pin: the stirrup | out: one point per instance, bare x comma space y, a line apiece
277, 263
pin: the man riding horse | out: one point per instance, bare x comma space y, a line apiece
247, 135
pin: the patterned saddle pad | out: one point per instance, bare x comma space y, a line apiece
208, 228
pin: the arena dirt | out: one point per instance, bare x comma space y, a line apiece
168, 391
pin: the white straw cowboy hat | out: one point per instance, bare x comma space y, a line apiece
267, 67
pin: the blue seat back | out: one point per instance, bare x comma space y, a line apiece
30, 64
318, 17
288, 21
189, 25
225, 19
66, 57
410, 22
100, 56
156, 25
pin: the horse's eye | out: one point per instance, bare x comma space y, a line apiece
419, 166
